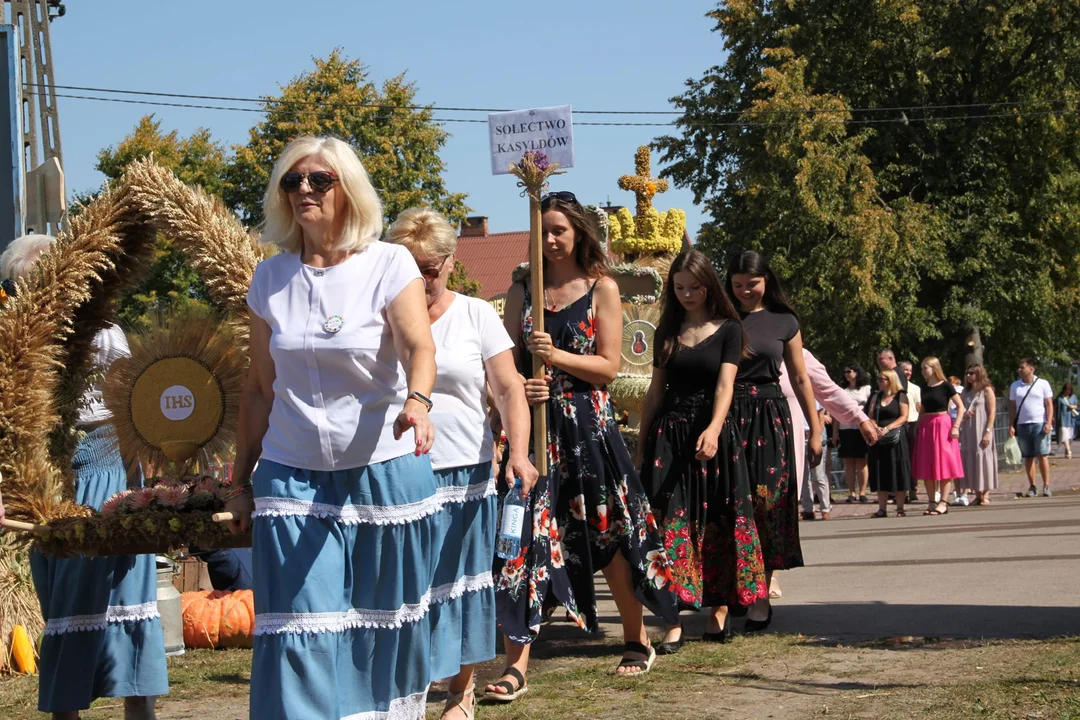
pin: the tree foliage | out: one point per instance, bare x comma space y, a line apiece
398, 142
399, 146
459, 281
912, 168
170, 285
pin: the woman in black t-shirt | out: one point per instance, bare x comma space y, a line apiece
691, 461
936, 459
772, 333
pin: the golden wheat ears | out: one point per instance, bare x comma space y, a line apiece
47, 330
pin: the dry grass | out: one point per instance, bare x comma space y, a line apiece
752, 677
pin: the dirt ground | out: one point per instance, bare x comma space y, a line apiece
750, 678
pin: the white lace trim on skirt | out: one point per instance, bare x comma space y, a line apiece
99, 621
374, 514
467, 493
354, 618
406, 708
349, 514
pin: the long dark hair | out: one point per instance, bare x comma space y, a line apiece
1066, 390
588, 251
718, 305
862, 379
755, 264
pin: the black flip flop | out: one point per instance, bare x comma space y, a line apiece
512, 693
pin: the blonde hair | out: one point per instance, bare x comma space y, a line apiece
894, 381
22, 254
424, 232
363, 209
935, 365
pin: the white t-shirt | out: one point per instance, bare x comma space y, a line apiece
109, 345
1033, 409
336, 395
468, 334
860, 395
806, 421
914, 396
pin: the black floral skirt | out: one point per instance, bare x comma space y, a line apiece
590, 507
704, 507
764, 422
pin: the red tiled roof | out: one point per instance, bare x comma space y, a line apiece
490, 259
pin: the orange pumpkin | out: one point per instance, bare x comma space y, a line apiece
216, 618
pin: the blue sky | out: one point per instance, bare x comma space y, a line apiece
594, 55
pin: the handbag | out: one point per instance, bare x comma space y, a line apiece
890, 438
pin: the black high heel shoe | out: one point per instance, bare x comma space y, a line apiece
719, 637
758, 625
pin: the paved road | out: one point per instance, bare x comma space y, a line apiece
1010, 570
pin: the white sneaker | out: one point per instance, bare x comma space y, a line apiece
937, 496
963, 501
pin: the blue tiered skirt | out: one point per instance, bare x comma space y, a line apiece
103, 634
463, 626
343, 570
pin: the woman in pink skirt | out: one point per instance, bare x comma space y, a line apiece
936, 459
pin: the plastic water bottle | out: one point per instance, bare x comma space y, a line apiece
508, 545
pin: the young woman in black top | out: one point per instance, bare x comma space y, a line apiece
764, 421
690, 452
936, 459
888, 462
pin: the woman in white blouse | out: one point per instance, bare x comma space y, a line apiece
472, 351
852, 447
335, 411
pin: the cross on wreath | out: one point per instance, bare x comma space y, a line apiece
643, 186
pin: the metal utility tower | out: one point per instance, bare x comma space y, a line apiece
40, 197
31, 18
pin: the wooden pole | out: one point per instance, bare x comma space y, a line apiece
23, 526
536, 268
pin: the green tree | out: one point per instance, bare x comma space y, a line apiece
891, 216
398, 142
459, 281
197, 160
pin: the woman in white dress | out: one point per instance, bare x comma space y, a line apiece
472, 351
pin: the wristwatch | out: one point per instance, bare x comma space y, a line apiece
423, 399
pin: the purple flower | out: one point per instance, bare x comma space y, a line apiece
539, 159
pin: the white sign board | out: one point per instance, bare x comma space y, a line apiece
547, 130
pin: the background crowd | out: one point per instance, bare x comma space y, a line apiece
941, 430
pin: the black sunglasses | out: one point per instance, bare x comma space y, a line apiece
319, 181
564, 195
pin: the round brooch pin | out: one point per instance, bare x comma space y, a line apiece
333, 324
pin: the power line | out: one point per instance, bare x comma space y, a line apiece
733, 124
386, 106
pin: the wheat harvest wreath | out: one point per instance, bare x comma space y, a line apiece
174, 400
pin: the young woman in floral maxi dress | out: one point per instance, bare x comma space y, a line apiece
690, 454
590, 512
772, 333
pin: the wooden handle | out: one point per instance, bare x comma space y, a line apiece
222, 517
536, 267
23, 526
